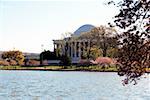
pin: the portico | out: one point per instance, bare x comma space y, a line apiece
72, 46
73, 49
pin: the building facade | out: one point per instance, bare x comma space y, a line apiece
73, 47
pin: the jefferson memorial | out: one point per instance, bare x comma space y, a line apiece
73, 47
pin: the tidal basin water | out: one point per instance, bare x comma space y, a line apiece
48, 85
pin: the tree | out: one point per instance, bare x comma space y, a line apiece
4, 63
12, 62
57, 52
102, 38
94, 53
112, 53
13, 55
134, 52
65, 60
48, 55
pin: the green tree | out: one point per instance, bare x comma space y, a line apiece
134, 20
65, 60
94, 53
14, 55
102, 38
112, 52
48, 55
57, 52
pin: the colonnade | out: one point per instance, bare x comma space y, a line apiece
74, 49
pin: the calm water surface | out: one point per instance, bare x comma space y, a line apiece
47, 85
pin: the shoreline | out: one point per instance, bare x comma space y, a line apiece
62, 70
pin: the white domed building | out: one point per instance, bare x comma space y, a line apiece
72, 47
83, 28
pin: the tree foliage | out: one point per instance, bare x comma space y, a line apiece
48, 55
12, 62
134, 52
65, 60
102, 38
94, 53
4, 63
12, 56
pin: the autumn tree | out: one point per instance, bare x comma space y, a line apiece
12, 62
102, 38
13, 56
133, 20
4, 63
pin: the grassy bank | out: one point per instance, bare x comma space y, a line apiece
64, 68
61, 68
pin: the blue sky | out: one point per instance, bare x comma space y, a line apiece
27, 24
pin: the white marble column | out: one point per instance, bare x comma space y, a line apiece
54, 46
88, 46
72, 49
84, 46
75, 47
68, 50
64, 48
79, 49
70, 54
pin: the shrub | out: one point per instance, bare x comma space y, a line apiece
65, 60
45, 62
13, 55
12, 62
33, 63
4, 63
84, 62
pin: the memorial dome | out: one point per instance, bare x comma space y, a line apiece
83, 28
